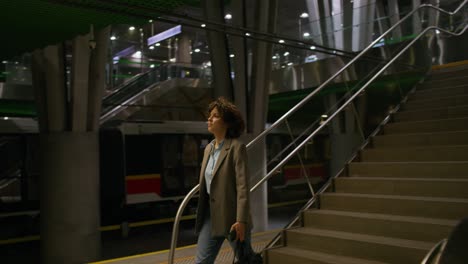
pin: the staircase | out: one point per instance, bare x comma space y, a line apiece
404, 194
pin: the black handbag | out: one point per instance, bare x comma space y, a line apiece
243, 255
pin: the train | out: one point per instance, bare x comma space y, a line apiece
146, 169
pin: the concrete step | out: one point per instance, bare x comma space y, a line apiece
432, 153
432, 207
446, 75
404, 227
448, 169
421, 139
377, 248
449, 101
430, 114
426, 94
292, 255
426, 126
445, 82
430, 187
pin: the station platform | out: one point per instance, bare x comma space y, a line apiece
186, 255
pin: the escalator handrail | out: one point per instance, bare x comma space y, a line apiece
192, 192
106, 114
361, 54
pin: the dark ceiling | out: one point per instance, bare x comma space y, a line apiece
31, 24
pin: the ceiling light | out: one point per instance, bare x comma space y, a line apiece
137, 55
151, 47
113, 38
274, 57
197, 50
304, 15
131, 28
289, 64
203, 25
152, 66
306, 34
281, 41
150, 21
312, 47
157, 44
231, 56
247, 34
228, 16
286, 53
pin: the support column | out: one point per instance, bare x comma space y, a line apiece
261, 71
364, 12
69, 197
97, 78
217, 42
394, 15
344, 138
239, 46
183, 50
69, 124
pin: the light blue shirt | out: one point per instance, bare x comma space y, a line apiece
214, 154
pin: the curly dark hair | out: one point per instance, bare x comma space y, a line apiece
230, 115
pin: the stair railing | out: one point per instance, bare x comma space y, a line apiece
431, 256
190, 195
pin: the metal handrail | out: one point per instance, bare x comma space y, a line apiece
331, 179
371, 45
302, 102
287, 158
439, 247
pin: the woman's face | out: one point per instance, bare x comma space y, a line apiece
216, 124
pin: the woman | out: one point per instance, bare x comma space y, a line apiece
223, 205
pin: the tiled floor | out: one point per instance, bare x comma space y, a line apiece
186, 254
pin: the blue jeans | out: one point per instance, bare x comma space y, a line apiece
208, 247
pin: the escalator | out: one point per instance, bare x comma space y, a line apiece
177, 85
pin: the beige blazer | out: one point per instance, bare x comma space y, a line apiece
229, 194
